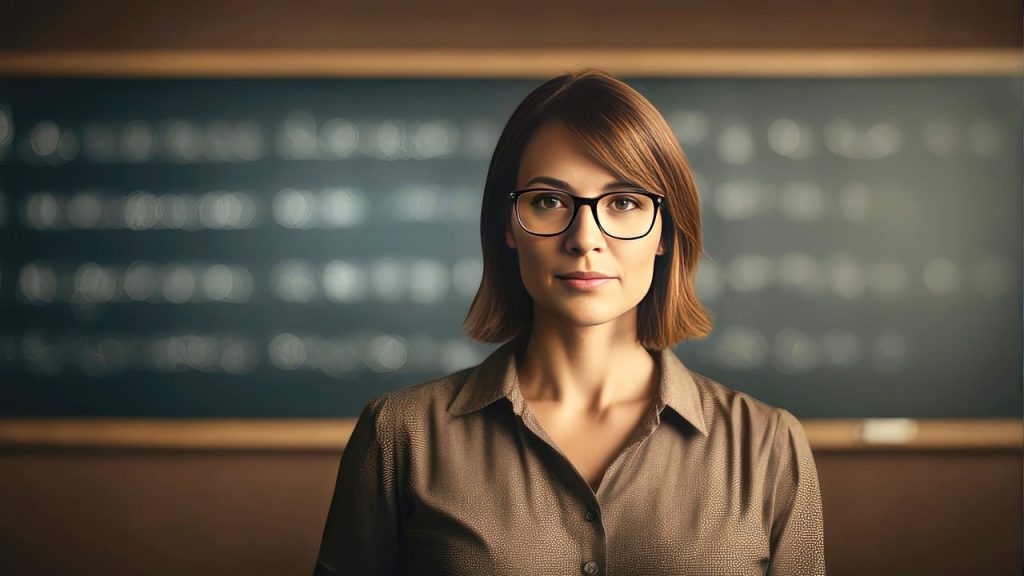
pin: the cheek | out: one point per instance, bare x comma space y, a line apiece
641, 267
532, 266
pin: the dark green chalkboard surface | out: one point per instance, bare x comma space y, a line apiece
292, 248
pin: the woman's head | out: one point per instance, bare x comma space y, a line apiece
593, 134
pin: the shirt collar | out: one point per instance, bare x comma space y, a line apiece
496, 378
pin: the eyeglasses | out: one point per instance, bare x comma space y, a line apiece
623, 214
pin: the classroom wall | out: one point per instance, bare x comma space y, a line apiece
146, 510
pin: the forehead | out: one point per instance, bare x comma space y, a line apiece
553, 151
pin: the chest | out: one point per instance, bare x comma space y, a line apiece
484, 495
591, 444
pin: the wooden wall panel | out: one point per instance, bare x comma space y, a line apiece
940, 513
251, 512
162, 513
700, 24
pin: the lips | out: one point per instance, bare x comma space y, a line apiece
584, 281
583, 276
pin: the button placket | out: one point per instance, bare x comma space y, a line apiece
593, 557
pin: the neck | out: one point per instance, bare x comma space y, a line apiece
586, 368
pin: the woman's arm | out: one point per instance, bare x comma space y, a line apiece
797, 532
361, 535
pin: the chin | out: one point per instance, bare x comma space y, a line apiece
584, 314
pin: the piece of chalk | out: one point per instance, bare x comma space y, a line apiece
888, 430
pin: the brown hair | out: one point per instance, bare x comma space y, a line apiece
623, 132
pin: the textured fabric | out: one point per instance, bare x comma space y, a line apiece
456, 476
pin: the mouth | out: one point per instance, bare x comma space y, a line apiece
583, 275
584, 282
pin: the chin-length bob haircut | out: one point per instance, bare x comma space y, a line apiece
623, 132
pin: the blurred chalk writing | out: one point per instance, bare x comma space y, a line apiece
293, 248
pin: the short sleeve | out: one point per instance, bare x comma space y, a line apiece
797, 531
361, 533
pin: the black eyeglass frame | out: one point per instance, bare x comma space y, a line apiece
592, 202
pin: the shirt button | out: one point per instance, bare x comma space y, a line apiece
591, 515
590, 568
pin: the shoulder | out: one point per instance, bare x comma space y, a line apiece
734, 412
769, 438
416, 403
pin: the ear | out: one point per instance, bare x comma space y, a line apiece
661, 248
510, 238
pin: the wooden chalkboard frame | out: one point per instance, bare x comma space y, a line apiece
511, 63
332, 435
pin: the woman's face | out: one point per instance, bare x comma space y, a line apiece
551, 155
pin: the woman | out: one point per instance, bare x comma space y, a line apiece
582, 445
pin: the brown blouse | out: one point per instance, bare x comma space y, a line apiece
456, 476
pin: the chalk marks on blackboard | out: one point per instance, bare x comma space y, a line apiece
342, 356
430, 281
791, 350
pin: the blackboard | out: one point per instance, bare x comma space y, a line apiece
294, 247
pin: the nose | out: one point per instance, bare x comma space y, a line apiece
584, 234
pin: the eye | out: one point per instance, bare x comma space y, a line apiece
546, 202
624, 203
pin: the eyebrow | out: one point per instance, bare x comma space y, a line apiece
566, 186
